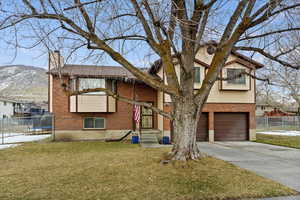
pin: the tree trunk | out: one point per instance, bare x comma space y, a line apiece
185, 126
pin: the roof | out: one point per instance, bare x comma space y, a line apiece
242, 59
110, 72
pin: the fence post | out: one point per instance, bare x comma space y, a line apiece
53, 127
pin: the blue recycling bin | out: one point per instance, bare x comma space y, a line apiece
166, 140
135, 139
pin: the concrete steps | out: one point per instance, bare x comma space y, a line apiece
149, 140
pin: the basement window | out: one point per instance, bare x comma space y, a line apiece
94, 123
231, 73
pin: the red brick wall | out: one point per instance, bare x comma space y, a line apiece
120, 120
222, 107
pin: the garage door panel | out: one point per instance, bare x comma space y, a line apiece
231, 126
202, 129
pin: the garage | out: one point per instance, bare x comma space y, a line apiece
231, 126
202, 129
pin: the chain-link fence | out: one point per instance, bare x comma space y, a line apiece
25, 129
280, 122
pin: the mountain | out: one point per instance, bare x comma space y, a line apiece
26, 83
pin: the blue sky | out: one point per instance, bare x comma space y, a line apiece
24, 57
38, 56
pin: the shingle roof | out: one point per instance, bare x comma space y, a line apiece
95, 71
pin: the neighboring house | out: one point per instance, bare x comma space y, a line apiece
228, 115
272, 111
276, 112
262, 108
8, 107
28, 109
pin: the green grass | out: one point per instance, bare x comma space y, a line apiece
110, 171
287, 141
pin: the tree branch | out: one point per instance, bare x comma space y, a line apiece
86, 17
127, 37
270, 33
245, 73
267, 55
79, 5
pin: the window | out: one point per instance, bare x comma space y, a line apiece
114, 86
231, 73
94, 123
197, 75
4, 103
73, 85
90, 83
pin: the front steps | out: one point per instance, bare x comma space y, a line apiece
148, 138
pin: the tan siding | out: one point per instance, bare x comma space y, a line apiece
72, 103
111, 104
91, 103
217, 96
240, 95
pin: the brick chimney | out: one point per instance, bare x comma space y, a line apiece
56, 61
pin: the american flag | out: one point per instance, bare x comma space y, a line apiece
136, 113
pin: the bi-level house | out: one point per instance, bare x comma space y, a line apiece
229, 114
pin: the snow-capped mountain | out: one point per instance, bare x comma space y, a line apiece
24, 83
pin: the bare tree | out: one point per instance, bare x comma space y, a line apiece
287, 82
170, 29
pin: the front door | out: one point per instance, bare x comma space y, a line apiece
147, 118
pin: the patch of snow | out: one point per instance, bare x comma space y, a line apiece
281, 132
5, 146
25, 138
10, 134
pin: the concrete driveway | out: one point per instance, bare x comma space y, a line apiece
280, 164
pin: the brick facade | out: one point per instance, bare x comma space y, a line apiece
120, 120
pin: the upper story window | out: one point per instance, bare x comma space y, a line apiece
73, 85
79, 84
197, 75
235, 72
91, 83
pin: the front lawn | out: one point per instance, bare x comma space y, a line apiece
288, 141
97, 170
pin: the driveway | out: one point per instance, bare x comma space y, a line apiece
280, 164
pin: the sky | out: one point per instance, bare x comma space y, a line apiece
23, 57
38, 56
